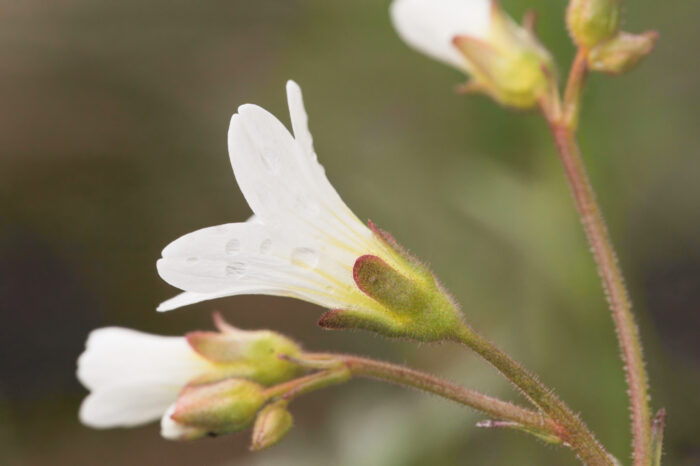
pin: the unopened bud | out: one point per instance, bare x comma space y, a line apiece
591, 22
622, 52
242, 353
218, 408
271, 425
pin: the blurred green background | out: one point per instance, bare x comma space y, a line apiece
113, 143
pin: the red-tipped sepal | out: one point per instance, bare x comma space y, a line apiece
242, 353
411, 303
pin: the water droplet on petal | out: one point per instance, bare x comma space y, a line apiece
305, 257
236, 269
232, 246
308, 206
265, 246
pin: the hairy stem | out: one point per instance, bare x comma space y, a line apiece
309, 383
400, 375
572, 431
613, 283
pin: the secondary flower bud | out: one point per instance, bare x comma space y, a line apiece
622, 53
591, 22
505, 60
218, 408
271, 425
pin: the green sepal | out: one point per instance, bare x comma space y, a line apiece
272, 424
657, 437
413, 304
510, 64
622, 53
241, 353
381, 323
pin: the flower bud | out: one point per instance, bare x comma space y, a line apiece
272, 424
412, 302
621, 53
591, 22
249, 354
215, 408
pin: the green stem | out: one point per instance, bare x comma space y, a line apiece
613, 283
573, 431
309, 383
574, 89
335, 368
404, 376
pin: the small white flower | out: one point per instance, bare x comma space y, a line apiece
133, 377
430, 26
303, 240
504, 60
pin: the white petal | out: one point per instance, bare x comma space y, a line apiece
127, 404
300, 120
187, 298
281, 178
173, 430
250, 258
430, 25
302, 240
118, 355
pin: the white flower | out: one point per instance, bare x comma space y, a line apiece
136, 377
430, 26
133, 377
303, 240
504, 59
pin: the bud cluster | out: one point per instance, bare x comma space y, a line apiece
594, 26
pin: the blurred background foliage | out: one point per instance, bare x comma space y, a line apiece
112, 140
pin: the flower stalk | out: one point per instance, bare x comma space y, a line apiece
356, 366
571, 429
563, 128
